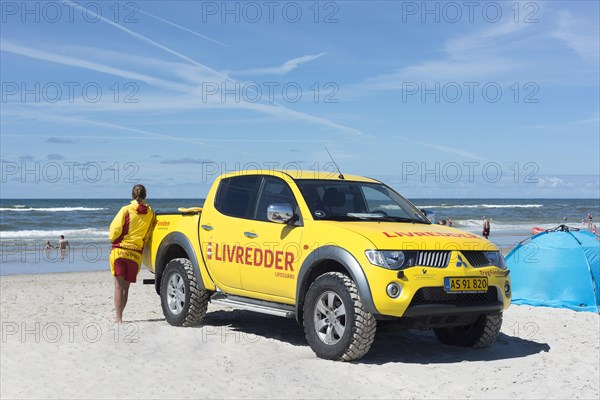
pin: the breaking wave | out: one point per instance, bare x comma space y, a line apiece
20, 208
486, 206
87, 233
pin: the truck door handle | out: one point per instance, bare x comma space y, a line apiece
250, 235
207, 227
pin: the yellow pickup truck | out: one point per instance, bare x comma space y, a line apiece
336, 252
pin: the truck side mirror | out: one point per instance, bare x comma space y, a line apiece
280, 213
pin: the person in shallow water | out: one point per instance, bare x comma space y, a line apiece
486, 227
63, 243
63, 246
128, 233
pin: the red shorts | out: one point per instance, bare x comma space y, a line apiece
126, 268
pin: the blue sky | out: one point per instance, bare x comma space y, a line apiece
439, 99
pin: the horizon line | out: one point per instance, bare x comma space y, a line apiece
204, 198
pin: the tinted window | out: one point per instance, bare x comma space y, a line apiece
333, 198
236, 196
274, 190
347, 200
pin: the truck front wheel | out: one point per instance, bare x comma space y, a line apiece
336, 324
479, 334
182, 300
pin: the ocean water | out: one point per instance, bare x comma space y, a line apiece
26, 225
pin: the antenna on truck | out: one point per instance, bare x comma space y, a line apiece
341, 176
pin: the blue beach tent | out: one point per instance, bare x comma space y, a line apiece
557, 268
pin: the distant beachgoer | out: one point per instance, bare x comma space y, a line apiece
48, 245
442, 222
564, 219
589, 220
63, 244
449, 221
486, 227
128, 233
594, 231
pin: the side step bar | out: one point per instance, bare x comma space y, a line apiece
264, 307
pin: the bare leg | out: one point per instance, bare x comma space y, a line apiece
125, 288
119, 300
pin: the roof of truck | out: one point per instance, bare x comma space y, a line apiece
302, 174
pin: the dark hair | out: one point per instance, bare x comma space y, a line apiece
62, 236
138, 193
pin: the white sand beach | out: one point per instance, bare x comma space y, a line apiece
58, 342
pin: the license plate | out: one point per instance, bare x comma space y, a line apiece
466, 285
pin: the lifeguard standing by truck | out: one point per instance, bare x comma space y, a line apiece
128, 233
336, 252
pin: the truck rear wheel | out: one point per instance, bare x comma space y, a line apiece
479, 334
336, 324
182, 300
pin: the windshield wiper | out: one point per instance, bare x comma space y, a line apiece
396, 219
342, 218
401, 219
371, 217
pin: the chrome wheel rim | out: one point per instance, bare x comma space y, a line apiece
330, 318
176, 294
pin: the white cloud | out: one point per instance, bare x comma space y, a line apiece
9, 46
446, 149
191, 74
504, 52
170, 102
579, 35
551, 182
183, 28
585, 123
141, 37
474, 56
282, 69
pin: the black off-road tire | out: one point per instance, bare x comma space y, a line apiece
183, 302
479, 334
359, 325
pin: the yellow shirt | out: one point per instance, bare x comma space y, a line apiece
131, 226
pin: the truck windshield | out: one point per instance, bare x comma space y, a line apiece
356, 201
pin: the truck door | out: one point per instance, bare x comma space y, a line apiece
222, 228
273, 249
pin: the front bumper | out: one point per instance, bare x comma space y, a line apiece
423, 292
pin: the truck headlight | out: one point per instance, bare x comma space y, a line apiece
390, 259
496, 259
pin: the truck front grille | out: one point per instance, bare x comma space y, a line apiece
477, 259
437, 295
435, 259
